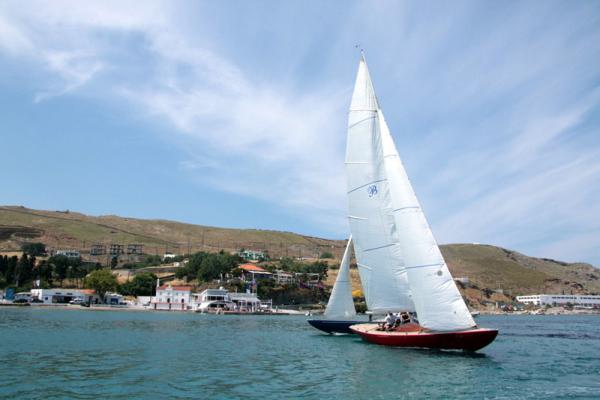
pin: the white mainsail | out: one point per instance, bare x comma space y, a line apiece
385, 215
341, 304
370, 208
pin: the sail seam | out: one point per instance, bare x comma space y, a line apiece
378, 248
366, 184
406, 208
354, 217
425, 266
360, 122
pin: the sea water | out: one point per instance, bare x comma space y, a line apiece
50, 353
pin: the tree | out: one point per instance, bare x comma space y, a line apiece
143, 284
114, 262
24, 269
326, 254
102, 281
34, 249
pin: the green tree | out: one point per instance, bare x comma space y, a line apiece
326, 254
102, 281
24, 270
114, 262
34, 249
143, 284
11, 266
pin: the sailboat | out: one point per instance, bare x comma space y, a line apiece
400, 264
340, 312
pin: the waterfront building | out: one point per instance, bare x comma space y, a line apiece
215, 300
211, 300
64, 296
114, 299
170, 297
554, 300
22, 296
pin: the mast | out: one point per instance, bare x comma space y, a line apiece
341, 304
370, 206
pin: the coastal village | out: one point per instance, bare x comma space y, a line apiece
202, 282
245, 281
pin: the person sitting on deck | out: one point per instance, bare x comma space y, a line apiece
405, 318
388, 323
390, 320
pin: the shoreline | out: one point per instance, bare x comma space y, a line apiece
280, 312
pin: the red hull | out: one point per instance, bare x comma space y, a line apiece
472, 339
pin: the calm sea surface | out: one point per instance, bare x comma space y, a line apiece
51, 353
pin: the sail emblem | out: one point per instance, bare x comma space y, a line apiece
372, 190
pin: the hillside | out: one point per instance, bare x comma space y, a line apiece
488, 268
72, 230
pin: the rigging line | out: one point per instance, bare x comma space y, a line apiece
366, 184
360, 122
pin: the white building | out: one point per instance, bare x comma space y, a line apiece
212, 300
168, 256
114, 299
283, 277
175, 298
216, 300
64, 296
541, 300
68, 253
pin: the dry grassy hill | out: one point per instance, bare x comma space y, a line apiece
488, 267
72, 230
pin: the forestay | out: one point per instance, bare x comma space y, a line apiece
341, 304
370, 207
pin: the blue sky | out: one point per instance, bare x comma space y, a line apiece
234, 113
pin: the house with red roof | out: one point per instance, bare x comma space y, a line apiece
254, 272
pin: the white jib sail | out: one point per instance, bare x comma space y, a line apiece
370, 208
341, 304
438, 302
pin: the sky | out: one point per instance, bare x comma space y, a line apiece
234, 113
